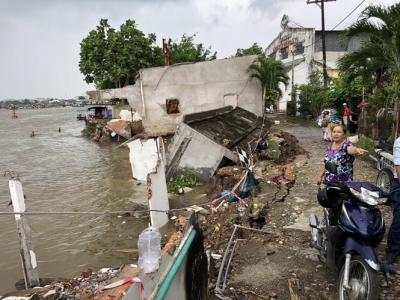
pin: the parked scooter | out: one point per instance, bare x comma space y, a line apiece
350, 230
269, 110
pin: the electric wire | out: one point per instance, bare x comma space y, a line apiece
334, 28
337, 24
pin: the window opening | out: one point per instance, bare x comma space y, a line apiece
285, 53
173, 106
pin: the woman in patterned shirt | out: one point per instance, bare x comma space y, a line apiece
341, 152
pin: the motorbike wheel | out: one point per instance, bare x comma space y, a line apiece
384, 179
362, 279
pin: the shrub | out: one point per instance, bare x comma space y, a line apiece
185, 179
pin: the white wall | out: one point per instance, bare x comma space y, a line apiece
198, 87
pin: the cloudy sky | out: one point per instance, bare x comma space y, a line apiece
39, 40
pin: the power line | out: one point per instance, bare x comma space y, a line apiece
348, 14
339, 22
335, 27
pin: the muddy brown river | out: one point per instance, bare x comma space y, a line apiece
65, 172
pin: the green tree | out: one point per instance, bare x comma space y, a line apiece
312, 95
271, 74
255, 49
187, 51
112, 59
380, 54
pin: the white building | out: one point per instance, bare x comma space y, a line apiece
300, 49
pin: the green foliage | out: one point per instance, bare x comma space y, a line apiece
378, 57
385, 124
187, 51
291, 108
341, 90
88, 131
312, 95
367, 144
254, 49
270, 73
185, 179
111, 59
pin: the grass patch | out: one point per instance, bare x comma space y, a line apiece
185, 179
273, 149
366, 143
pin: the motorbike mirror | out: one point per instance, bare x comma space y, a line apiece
331, 167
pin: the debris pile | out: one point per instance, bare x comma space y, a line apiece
85, 286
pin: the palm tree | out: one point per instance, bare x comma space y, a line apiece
380, 54
270, 73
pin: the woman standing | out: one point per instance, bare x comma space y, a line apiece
342, 153
353, 122
326, 126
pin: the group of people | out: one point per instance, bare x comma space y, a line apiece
342, 153
350, 122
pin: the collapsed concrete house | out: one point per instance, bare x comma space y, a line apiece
163, 95
206, 141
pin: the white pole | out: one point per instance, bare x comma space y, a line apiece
28, 257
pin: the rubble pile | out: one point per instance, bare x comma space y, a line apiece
85, 286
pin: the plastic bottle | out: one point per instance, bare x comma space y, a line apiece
149, 244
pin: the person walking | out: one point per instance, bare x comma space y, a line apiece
345, 115
353, 122
342, 153
393, 240
326, 126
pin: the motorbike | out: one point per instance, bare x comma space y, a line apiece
351, 227
269, 110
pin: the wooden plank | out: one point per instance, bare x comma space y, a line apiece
293, 295
170, 169
127, 250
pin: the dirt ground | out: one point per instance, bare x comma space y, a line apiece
280, 262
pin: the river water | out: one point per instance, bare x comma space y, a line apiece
65, 172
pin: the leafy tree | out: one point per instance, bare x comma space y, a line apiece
312, 95
111, 59
379, 56
271, 74
255, 49
187, 51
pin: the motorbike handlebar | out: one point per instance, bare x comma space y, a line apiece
332, 183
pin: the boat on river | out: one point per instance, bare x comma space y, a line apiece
98, 112
81, 115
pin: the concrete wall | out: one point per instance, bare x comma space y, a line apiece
201, 155
147, 163
198, 87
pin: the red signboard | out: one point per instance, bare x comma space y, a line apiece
286, 43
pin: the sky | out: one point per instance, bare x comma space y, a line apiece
40, 39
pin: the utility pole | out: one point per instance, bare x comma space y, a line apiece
323, 36
293, 95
